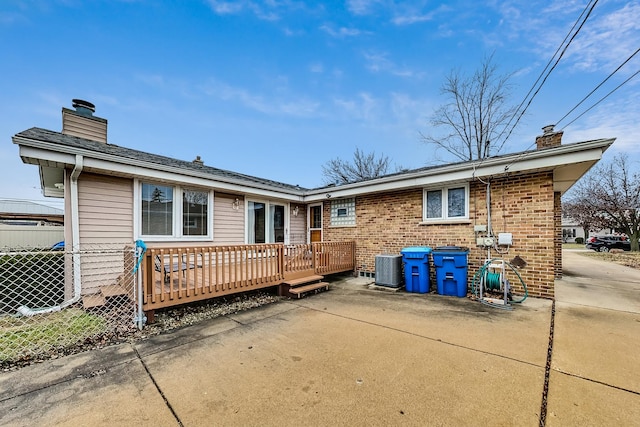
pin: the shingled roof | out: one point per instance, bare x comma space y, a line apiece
73, 144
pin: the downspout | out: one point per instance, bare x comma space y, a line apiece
75, 231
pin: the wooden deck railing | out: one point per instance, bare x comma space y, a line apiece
178, 275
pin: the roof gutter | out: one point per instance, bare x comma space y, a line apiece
100, 159
520, 162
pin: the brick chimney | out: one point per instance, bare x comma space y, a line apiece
82, 123
549, 138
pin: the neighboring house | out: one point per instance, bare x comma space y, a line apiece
571, 230
115, 194
23, 212
24, 224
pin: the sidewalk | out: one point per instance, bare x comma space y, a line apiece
353, 356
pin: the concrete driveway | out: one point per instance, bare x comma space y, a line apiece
360, 357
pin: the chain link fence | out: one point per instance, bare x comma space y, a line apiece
55, 300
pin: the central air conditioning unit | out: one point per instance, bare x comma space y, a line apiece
389, 270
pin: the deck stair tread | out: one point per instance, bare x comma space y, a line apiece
93, 300
113, 290
307, 288
303, 280
106, 291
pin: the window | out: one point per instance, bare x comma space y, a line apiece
343, 212
157, 210
194, 213
447, 203
265, 222
161, 217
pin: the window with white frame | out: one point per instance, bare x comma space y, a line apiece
343, 212
160, 216
448, 203
265, 222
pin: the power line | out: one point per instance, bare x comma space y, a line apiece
554, 66
587, 10
603, 98
544, 70
597, 87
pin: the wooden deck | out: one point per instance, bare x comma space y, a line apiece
179, 275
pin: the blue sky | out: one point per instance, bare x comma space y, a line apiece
277, 88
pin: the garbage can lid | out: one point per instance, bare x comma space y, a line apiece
412, 249
452, 249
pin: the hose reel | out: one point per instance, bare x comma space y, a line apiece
492, 278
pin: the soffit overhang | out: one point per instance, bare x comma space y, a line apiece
568, 162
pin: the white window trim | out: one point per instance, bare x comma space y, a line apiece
177, 235
444, 219
267, 204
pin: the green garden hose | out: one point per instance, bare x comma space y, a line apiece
492, 280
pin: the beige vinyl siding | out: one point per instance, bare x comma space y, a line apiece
228, 223
298, 225
93, 128
105, 205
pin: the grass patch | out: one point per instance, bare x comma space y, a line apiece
23, 336
629, 259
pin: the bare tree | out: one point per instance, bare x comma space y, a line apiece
364, 166
476, 117
611, 192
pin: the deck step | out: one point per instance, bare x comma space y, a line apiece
298, 291
93, 300
303, 280
100, 299
113, 290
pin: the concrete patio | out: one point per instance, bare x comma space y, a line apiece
361, 357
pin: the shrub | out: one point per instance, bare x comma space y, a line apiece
580, 240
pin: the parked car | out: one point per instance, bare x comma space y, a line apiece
606, 243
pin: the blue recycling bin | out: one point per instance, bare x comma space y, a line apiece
416, 268
450, 264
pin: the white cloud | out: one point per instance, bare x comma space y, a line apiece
7, 18
377, 62
410, 13
317, 68
362, 7
411, 112
341, 32
609, 35
616, 118
273, 105
227, 7
362, 108
608, 40
267, 11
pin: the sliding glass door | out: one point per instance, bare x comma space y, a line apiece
265, 222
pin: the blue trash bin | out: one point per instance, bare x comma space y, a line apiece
450, 264
416, 268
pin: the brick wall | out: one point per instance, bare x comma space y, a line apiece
524, 205
558, 236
